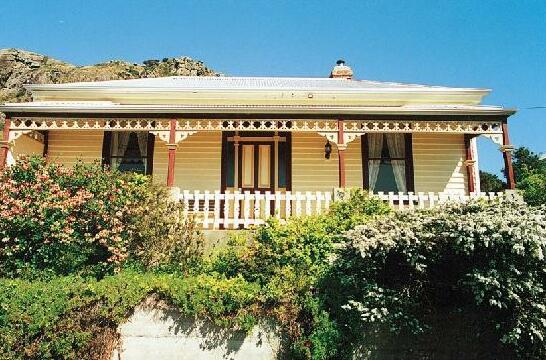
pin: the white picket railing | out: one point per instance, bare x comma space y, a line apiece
235, 210
422, 200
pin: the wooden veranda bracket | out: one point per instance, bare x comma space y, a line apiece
496, 138
165, 136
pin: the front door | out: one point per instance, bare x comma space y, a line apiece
257, 166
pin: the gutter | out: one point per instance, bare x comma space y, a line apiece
248, 109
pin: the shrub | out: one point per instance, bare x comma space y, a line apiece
76, 318
162, 236
288, 260
478, 267
83, 219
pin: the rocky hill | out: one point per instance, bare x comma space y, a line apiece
19, 67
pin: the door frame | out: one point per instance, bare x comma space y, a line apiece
256, 160
274, 162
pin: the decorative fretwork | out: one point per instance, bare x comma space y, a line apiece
258, 125
14, 135
496, 138
162, 135
18, 123
330, 136
352, 129
165, 136
396, 126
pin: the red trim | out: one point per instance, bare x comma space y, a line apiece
341, 154
172, 153
5, 144
469, 167
508, 169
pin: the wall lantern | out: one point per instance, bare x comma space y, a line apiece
327, 149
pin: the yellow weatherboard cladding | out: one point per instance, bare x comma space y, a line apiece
438, 160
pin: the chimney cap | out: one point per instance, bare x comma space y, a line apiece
341, 71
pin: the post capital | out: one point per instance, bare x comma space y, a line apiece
507, 148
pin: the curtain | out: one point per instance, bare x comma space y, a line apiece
142, 142
375, 145
123, 142
397, 149
120, 141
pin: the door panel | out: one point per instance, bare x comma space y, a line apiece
256, 167
264, 166
247, 166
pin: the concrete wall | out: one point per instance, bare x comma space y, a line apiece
158, 331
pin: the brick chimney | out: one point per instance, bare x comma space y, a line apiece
341, 71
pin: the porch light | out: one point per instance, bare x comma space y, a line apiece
327, 149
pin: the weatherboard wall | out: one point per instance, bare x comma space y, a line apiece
198, 162
67, 146
25, 145
438, 160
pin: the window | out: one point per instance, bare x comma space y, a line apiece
129, 151
388, 164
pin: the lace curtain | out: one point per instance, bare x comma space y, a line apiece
142, 142
120, 141
375, 145
397, 149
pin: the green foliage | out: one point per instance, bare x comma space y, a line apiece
478, 266
62, 318
355, 209
288, 260
527, 163
84, 220
491, 182
534, 189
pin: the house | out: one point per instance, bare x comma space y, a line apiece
239, 149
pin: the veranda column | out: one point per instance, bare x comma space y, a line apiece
470, 163
172, 153
341, 153
4, 144
507, 155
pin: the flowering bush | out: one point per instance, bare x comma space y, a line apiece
465, 277
288, 260
82, 219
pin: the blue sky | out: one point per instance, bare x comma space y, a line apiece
494, 44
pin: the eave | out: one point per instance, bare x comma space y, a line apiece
67, 109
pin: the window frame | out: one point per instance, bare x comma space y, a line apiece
408, 139
107, 151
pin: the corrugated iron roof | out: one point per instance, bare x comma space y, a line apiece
250, 83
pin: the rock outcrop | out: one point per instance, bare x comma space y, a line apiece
20, 67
